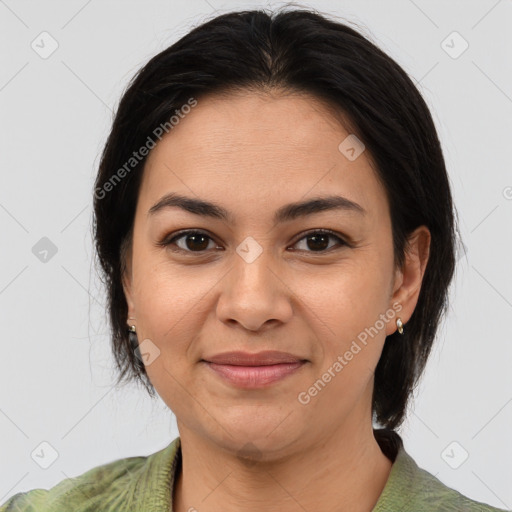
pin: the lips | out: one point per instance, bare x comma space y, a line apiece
258, 370
266, 358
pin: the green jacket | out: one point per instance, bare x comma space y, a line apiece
141, 484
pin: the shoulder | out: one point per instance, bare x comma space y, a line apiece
434, 495
109, 487
438, 496
83, 492
416, 490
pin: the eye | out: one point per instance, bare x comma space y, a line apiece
193, 241
318, 240
198, 241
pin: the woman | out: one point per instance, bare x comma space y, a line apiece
275, 227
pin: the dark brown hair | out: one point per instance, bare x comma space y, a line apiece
300, 51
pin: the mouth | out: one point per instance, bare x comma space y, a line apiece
246, 370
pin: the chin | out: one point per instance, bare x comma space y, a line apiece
258, 440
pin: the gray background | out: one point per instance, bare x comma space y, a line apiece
57, 373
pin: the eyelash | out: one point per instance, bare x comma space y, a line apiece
166, 242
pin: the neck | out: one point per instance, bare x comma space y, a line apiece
344, 472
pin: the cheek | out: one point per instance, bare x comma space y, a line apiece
172, 304
343, 313
349, 299
165, 291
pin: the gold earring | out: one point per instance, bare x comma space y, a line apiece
134, 342
400, 325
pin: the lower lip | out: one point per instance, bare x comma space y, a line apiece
254, 376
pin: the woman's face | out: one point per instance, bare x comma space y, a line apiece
263, 278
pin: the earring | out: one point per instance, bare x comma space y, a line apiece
132, 336
400, 325
134, 342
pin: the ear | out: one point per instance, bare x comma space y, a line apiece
408, 279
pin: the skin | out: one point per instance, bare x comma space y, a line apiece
253, 153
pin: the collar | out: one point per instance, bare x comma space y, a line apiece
152, 492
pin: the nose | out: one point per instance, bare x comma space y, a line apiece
254, 296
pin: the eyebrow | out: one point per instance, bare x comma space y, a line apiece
286, 213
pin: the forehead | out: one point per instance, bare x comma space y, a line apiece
266, 148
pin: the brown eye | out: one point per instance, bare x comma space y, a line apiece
318, 241
190, 241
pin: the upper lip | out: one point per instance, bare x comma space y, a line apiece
267, 357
